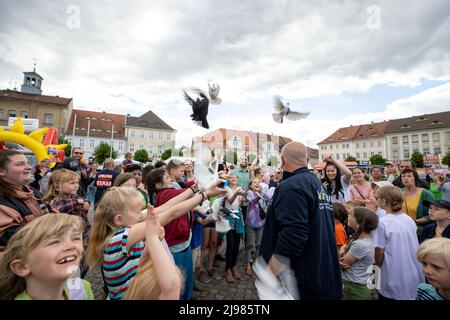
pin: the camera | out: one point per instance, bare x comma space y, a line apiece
223, 185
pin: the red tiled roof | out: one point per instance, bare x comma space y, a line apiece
35, 97
100, 124
363, 131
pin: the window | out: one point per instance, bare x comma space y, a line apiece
416, 150
415, 138
380, 153
12, 113
343, 146
141, 147
337, 156
331, 147
48, 118
365, 155
371, 144
343, 156
120, 145
325, 147
379, 143
321, 147
395, 154
448, 135
406, 154
142, 134
81, 143
24, 114
168, 137
1, 113
364, 145
150, 149
91, 143
160, 136
372, 153
133, 133
425, 137
357, 155
436, 137
426, 150
347, 146
150, 135
357, 146
405, 139
394, 140
437, 150
131, 147
160, 149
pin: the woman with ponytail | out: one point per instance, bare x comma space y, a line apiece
357, 257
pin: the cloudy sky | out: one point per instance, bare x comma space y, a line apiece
346, 62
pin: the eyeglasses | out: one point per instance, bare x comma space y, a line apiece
79, 153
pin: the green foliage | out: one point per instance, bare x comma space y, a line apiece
251, 157
66, 149
166, 154
141, 156
180, 152
231, 156
417, 159
350, 158
273, 161
377, 160
446, 159
102, 151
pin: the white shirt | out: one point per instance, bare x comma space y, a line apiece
401, 272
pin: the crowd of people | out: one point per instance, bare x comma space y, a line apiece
153, 234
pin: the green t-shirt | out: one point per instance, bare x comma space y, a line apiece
71, 291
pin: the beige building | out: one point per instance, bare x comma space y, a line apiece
427, 134
149, 132
51, 111
361, 141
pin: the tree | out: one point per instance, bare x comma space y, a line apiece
141, 156
377, 159
251, 157
446, 159
166, 154
102, 151
417, 159
231, 156
180, 152
273, 161
66, 149
350, 158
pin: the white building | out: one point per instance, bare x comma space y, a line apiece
427, 134
92, 128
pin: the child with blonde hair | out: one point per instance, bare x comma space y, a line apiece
40, 258
119, 231
158, 278
396, 245
434, 254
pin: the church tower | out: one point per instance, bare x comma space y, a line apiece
32, 82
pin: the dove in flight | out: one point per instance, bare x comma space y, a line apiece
213, 93
285, 111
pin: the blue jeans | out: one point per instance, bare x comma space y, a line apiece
184, 261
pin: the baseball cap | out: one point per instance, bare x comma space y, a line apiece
70, 164
389, 163
382, 184
438, 203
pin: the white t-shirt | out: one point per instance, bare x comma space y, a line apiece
343, 194
235, 205
401, 272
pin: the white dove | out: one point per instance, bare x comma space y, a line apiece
213, 93
285, 111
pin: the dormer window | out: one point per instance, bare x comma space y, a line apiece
421, 119
405, 126
435, 122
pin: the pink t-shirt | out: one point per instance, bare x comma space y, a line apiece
365, 193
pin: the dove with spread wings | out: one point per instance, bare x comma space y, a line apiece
199, 109
285, 111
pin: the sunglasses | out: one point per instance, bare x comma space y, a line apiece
79, 153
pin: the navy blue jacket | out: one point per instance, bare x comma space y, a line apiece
429, 232
300, 225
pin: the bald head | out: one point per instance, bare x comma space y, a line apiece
295, 154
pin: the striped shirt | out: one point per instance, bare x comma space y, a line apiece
428, 292
119, 266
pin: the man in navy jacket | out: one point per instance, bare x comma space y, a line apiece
300, 226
